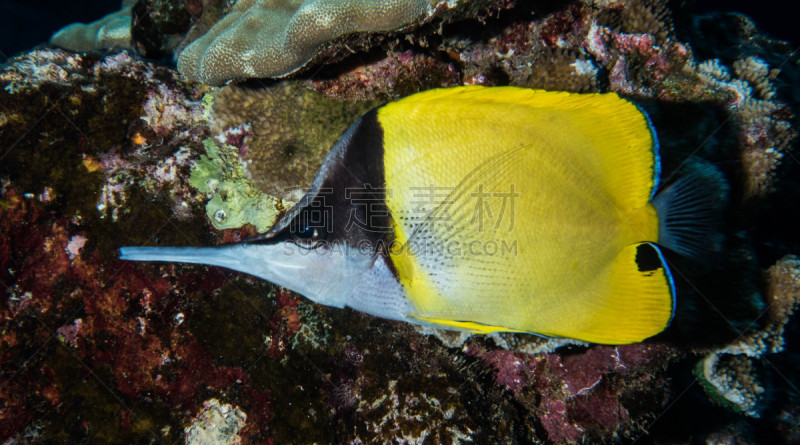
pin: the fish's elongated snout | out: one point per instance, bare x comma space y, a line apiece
318, 275
215, 256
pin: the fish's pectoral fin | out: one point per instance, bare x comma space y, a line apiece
639, 298
469, 326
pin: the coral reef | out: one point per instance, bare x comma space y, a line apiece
730, 380
110, 32
216, 424
398, 75
234, 201
767, 124
104, 150
100, 164
159, 26
286, 131
267, 38
118, 165
538, 54
586, 394
728, 374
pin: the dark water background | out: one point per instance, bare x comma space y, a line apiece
27, 23
770, 16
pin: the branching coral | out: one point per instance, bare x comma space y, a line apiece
756, 72
783, 299
728, 374
639, 17
766, 128
731, 381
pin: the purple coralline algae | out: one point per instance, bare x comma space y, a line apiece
106, 149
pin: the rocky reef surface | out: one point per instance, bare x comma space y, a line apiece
107, 148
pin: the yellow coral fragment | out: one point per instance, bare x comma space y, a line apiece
138, 139
92, 164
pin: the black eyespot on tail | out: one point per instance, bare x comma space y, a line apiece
647, 258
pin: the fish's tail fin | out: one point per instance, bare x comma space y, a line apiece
690, 214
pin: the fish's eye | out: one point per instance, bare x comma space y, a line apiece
307, 232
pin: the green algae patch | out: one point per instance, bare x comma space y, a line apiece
235, 201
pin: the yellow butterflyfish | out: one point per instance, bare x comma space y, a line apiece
488, 209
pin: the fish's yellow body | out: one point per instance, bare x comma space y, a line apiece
490, 209
526, 210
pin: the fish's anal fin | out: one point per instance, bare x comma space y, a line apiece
469, 326
690, 214
638, 300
